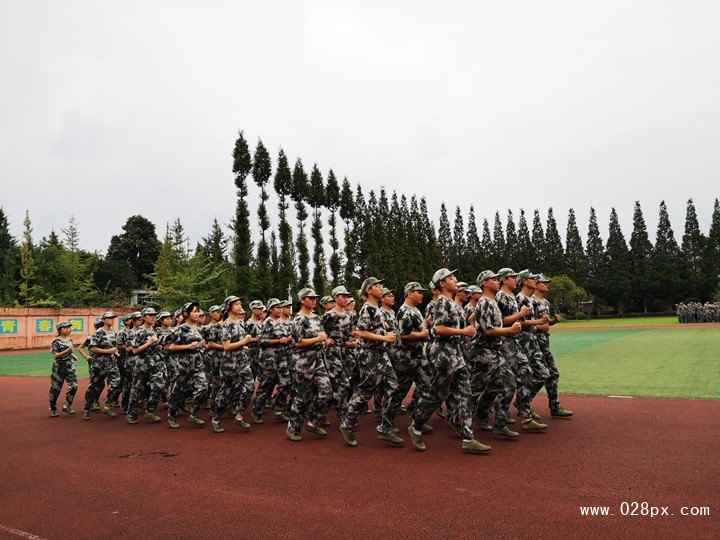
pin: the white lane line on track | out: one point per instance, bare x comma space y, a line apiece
21, 534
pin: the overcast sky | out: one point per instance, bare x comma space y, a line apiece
111, 109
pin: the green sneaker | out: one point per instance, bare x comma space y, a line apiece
67, 410
53, 413
559, 412
390, 437
292, 436
317, 430
427, 428
510, 420
195, 420
242, 423
95, 407
484, 424
535, 416
279, 416
107, 410
349, 436
417, 440
475, 447
505, 432
324, 422
154, 418
394, 430
532, 425
217, 428
256, 418
86, 414
173, 422
132, 419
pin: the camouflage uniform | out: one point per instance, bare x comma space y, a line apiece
237, 382
172, 360
391, 350
527, 339
63, 370
149, 373
128, 365
190, 380
411, 365
514, 350
337, 327
491, 377
213, 333
254, 329
542, 307
311, 382
273, 368
103, 366
451, 378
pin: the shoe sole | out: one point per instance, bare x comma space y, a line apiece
507, 435
398, 441
419, 446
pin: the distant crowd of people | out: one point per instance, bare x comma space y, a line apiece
695, 312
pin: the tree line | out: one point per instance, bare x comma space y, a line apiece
354, 234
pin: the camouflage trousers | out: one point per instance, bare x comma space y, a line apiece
450, 383
254, 352
514, 355
335, 365
273, 364
149, 375
376, 372
63, 370
411, 366
492, 382
551, 383
102, 367
313, 391
214, 357
172, 370
537, 362
190, 382
126, 382
236, 384
351, 367
122, 369
379, 396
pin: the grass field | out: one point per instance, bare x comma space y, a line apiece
662, 362
635, 321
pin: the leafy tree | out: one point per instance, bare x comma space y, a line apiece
712, 246
261, 172
28, 290
459, 249
553, 254
693, 247
667, 275
498, 243
316, 199
473, 244
444, 235
9, 256
566, 295
596, 259
618, 258
487, 256
300, 190
538, 242
214, 245
511, 241
524, 254
242, 240
333, 202
347, 214
137, 248
575, 259
283, 187
640, 260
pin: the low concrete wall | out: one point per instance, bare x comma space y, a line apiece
34, 328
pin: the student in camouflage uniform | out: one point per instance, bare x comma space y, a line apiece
387, 302
491, 377
514, 350
541, 310
103, 366
313, 391
129, 362
149, 372
411, 364
190, 380
327, 303
451, 378
429, 311
214, 350
163, 324
338, 324
237, 379
253, 327
374, 365
123, 343
63, 369
527, 338
273, 364
350, 360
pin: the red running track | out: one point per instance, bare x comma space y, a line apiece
66, 478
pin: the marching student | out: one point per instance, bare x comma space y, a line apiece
63, 369
103, 347
149, 372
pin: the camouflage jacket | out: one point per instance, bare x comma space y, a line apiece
142, 336
508, 306
123, 338
337, 326
540, 308
447, 313
306, 327
487, 317
371, 319
254, 329
273, 329
58, 345
103, 340
409, 319
528, 301
430, 310
184, 335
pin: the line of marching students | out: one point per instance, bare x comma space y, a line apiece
474, 349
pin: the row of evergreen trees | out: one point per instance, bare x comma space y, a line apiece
374, 234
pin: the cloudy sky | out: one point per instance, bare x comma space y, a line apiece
113, 108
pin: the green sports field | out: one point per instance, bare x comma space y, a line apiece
661, 362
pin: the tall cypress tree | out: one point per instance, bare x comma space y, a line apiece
242, 242
444, 235
499, 243
300, 190
596, 260
282, 183
640, 255
619, 269
575, 260
511, 241
261, 172
347, 214
487, 256
316, 199
553, 254
332, 202
668, 277
473, 244
9, 255
434, 258
538, 243
693, 246
524, 249
459, 250
712, 246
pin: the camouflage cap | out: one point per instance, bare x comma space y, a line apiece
163, 315
148, 311
387, 291
369, 282
187, 308
540, 278
441, 274
340, 290
215, 308
485, 275
431, 285
177, 313
307, 292
474, 289
134, 315
326, 300
463, 287
506, 273
230, 299
63, 324
273, 302
523, 274
111, 315
201, 312
412, 287
257, 304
